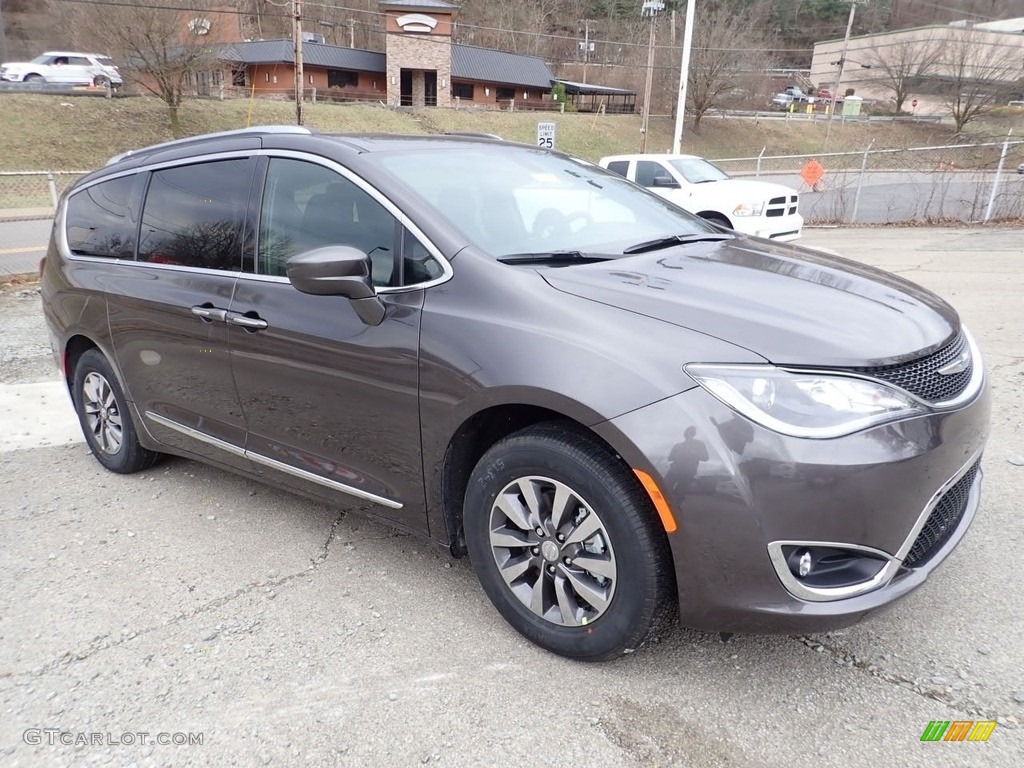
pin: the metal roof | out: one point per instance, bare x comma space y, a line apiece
472, 63
437, 4
313, 54
591, 88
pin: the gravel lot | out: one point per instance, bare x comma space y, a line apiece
188, 601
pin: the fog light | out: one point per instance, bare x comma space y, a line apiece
804, 566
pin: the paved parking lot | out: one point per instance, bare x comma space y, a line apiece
186, 601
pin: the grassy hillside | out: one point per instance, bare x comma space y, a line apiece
62, 133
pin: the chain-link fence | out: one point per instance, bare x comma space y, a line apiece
945, 184
27, 195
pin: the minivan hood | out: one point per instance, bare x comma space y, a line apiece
792, 306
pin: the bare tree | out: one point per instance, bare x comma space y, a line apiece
727, 44
976, 74
160, 52
904, 65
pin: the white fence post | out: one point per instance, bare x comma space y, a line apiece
860, 183
757, 174
999, 173
53, 189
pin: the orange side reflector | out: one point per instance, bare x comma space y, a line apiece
667, 519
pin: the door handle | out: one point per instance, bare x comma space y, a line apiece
210, 313
249, 323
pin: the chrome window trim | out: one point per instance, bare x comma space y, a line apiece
272, 463
446, 268
915, 530
828, 594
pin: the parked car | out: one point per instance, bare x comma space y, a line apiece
799, 95
1020, 168
753, 207
69, 67
614, 407
782, 100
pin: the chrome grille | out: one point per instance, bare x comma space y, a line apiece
921, 377
943, 520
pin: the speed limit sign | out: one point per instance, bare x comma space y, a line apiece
546, 135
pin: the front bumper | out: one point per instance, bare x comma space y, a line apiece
736, 489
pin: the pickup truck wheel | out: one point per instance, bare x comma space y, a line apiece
717, 218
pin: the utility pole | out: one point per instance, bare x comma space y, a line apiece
299, 78
839, 72
649, 8
684, 76
3, 34
586, 46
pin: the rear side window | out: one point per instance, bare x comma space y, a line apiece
619, 166
194, 215
101, 219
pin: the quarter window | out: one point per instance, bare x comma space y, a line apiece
308, 206
101, 219
194, 215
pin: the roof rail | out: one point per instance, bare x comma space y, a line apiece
256, 129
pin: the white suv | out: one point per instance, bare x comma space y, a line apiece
68, 67
753, 207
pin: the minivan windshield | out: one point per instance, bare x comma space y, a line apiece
515, 200
697, 170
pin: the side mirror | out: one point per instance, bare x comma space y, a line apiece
665, 181
338, 270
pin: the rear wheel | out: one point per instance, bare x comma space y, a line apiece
566, 545
30, 77
105, 418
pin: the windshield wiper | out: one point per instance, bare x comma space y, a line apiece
547, 257
668, 242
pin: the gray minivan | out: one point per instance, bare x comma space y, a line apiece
619, 411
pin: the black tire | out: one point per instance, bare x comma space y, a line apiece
104, 415
100, 81
30, 77
717, 218
631, 547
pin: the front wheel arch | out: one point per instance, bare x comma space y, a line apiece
717, 218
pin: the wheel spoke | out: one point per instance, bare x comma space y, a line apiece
114, 419
91, 388
587, 528
591, 593
531, 495
510, 539
513, 510
567, 604
513, 569
560, 504
537, 599
598, 566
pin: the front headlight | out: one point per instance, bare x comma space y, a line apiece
812, 405
749, 209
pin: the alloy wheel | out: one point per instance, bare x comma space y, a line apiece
101, 413
553, 551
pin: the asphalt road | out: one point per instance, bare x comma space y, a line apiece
893, 197
22, 245
184, 600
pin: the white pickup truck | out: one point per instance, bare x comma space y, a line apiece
753, 207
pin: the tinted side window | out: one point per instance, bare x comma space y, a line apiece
418, 266
308, 206
646, 171
101, 219
194, 215
619, 166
